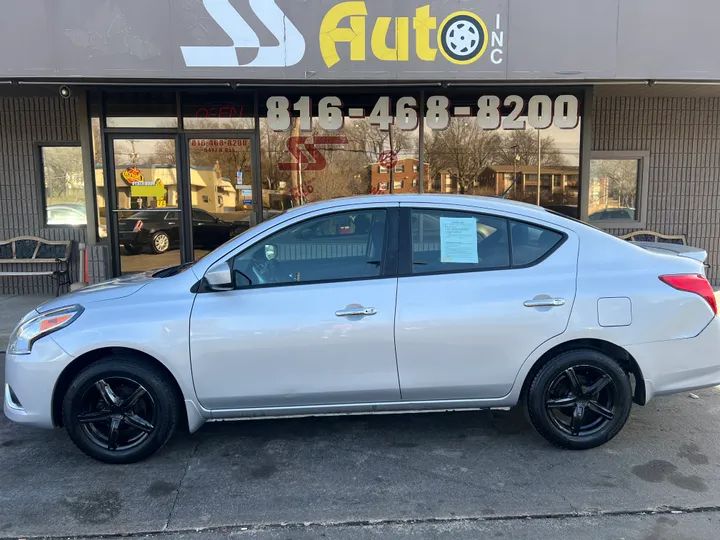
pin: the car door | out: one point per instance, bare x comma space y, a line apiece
470, 310
203, 227
310, 320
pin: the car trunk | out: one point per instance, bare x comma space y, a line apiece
680, 250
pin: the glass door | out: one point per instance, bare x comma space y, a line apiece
221, 190
145, 203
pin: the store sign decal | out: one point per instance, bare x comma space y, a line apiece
306, 156
133, 176
462, 37
288, 52
491, 113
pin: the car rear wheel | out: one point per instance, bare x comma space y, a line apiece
580, 399
160, 242
120, 410
131, 249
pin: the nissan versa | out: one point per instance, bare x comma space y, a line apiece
374, 304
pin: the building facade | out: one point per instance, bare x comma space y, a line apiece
153, 145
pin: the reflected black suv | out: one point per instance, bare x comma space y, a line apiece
159, 229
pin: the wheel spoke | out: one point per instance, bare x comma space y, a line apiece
599, 409
575, 385
577, 418
598, 385
114, 432
130, 401
95, 416
559, 403
107, 393
139, 423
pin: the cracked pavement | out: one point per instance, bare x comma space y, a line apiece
437, 475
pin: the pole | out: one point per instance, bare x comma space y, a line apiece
538, 173
392, 167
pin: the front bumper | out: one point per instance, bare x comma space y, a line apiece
32, 378
680, 365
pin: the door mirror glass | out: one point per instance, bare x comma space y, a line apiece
220, 277
270, 251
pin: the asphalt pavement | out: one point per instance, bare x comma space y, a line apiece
439, 475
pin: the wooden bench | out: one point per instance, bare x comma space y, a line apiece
31, 250
652, 236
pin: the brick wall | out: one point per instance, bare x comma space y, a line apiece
25, 121
683, 138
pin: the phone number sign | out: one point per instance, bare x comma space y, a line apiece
490, 111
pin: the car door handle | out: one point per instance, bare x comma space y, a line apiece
355, 311
545, 302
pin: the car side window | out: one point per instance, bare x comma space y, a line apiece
199, 215
347, 245
531, 243
445, 240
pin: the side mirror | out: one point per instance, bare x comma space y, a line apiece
219, 277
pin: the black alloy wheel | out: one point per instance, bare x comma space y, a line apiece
118, 413
120, 410
580, 399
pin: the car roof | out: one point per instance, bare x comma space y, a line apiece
493, 203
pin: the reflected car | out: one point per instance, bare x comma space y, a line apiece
615, 214
158, 230
401, 303
73, 214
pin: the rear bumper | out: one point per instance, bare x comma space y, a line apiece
680, 365
135, 238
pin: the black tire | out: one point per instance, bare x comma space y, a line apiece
131, 249
160, 242
564, 408
159, 406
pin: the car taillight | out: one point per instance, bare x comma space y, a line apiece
694, 283
138, 226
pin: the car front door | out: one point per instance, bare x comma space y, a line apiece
309, 321
470, 309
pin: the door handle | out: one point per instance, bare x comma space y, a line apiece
355, 311
545, 302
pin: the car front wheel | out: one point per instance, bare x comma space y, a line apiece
580, 399
120, 410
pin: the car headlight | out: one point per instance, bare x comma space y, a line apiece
28, 332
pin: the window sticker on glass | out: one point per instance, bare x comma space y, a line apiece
458, 240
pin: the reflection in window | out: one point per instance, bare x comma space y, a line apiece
98, 178
613, 189
64, 185
309, 162
464, 158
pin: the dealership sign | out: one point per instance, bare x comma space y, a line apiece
461, 37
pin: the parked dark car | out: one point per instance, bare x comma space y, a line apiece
159, 229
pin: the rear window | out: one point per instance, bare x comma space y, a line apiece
531, 243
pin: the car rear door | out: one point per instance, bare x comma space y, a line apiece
471, 308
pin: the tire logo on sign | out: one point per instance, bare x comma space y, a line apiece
462, 37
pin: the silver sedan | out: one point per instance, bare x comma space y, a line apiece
374, 304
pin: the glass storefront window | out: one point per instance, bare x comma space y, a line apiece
141, 110
615, 185
221, 191
63, 185
486, 145
141, 122
319, 147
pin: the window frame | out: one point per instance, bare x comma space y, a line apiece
406, 243
42, 192
643, 159
388, 259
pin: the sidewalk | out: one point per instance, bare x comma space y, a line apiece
12, 309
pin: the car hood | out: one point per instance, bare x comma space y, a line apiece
99, 292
